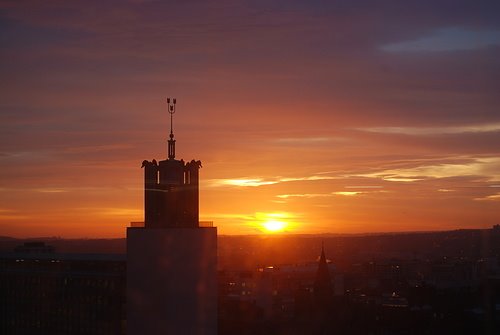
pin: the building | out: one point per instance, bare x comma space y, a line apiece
171, 261
44, 292
323, 288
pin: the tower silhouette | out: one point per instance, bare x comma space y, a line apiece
171, 261
171, 188
323, 288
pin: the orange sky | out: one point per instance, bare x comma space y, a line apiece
328, 117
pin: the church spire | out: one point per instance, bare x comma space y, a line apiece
171, 141
323, 288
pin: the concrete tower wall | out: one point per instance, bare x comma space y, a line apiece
172, 281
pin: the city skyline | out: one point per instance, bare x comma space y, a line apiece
308, 117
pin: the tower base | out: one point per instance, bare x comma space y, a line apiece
172, 281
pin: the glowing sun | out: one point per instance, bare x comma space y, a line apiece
274, 226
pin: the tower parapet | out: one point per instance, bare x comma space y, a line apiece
171, 188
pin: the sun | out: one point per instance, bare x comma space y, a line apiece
273, 222
274, 226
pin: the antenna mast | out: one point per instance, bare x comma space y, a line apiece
171, 141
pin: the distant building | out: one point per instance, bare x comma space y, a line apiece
37, 247
172, 260
43, 292
275, 289
323, 288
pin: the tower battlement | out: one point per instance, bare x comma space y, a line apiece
171, 193
171, 188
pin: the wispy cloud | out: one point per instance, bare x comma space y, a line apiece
322, 195
423, 131
364, 186
51, 190
9, 214
347, 193
492, 197
448, 39
485, 167
445, 190
310, 178
257, 181
242, 182
304, 195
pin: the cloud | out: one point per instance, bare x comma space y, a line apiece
492, 197
249, 182
255, 182
448, 39
348, 193
10, 214
304, 195
424, 131
322, 195
309, 178
365, 186
51, 190
486, 167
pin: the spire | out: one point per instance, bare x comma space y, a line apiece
323, 273
171, 141
323, 289
322, 258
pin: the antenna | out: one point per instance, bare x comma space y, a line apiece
171, 141
171, 111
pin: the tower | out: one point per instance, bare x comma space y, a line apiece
171, 261
323, 289
171, 187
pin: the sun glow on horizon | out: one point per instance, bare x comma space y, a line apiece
274, 226
273, 222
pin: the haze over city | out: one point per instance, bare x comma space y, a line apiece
308, 117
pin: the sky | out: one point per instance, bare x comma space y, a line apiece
311, 116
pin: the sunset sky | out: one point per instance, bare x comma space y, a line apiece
315, 116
